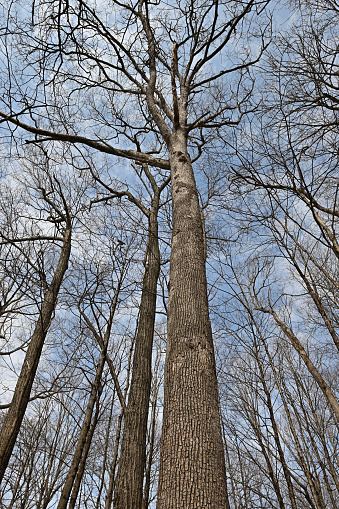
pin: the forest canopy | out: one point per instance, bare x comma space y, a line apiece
169, 331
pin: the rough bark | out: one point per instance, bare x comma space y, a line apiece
192, 464
128, 493
16, 412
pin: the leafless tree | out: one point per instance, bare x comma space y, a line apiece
53, 202
112, 83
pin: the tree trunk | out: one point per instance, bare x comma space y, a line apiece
128, 493
85, 436
145, 500
16, 412
302, 462
109, 495
325, 388
85, 451
192, 464
276, 436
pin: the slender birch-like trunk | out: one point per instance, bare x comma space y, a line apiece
82, 464
74, 474
84, 437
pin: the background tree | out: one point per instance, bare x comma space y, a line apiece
281, 210
54, 203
